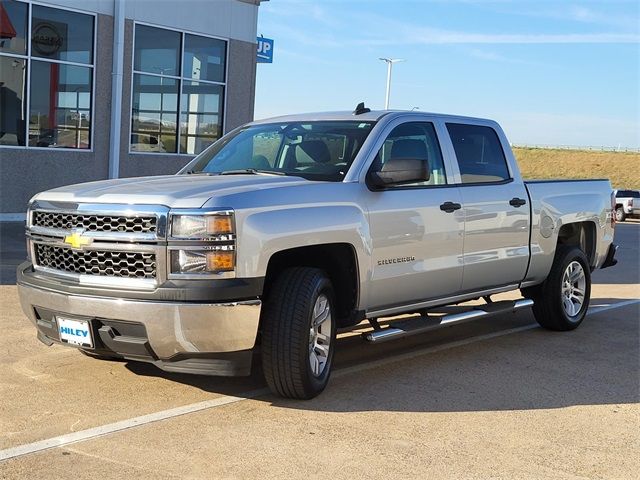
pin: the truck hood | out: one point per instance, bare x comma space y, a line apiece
174, 191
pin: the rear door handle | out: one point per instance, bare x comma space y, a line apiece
450, 207
517, 202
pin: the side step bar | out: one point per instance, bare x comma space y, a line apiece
399, 330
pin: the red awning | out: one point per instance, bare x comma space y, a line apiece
6, 28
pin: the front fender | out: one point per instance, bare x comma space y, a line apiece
265, 233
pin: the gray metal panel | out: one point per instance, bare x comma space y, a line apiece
222, 18
104, 7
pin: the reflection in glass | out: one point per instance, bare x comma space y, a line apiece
60, 109
157, 51
154, 115
13, 27
204, 58
201, 121
61, 35
13, 74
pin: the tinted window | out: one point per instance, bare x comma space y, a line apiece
61, 35
13, 73
479, 153
204, 58
60, 110
157, 51
13, 27
200, 121
154, 114
628, 193
414, 140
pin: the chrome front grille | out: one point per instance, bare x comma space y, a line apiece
95, 223
96, 262
112, 245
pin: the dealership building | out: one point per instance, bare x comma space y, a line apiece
97, 89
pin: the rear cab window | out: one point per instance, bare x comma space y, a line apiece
479, 153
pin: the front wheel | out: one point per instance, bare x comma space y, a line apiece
561, 302
299, 333
620, 215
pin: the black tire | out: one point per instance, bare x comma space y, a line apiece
620, 215
548, 306
286, 323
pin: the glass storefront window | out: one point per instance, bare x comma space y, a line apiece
204, 58
200, 123
161, 90
45, 96
13, 105
13, 26
157, 51
60, 110
155, 114
61, 35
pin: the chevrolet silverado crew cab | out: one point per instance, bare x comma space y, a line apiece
288, 229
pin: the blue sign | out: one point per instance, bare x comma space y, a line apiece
265, 50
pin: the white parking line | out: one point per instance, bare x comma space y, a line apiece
95, 432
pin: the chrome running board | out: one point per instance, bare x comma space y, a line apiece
402, 329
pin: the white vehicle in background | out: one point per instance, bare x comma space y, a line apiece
627, 204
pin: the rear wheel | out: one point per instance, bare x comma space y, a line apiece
561, 302
620, 215
298, 333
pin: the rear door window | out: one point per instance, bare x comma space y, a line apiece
479, 153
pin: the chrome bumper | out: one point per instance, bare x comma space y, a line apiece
173, 330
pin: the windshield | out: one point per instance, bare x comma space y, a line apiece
313, 150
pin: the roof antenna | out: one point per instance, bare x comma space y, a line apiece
360, 109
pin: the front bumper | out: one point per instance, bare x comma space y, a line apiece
191, 337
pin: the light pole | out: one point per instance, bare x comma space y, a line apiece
389, 62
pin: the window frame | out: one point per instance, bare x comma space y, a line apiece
28, 58
180, 79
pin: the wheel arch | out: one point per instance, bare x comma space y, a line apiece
338, 260
582, 235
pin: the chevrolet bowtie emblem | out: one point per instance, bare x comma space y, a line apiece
76, 240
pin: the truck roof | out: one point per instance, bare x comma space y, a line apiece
373, 115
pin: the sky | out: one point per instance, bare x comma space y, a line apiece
552, 72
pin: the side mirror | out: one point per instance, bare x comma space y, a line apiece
399, 171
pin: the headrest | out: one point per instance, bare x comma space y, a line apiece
409, 148
317, 150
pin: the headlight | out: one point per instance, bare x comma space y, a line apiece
203, 261
201, 244
201, 227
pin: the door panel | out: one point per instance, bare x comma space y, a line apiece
416, 247
496, 240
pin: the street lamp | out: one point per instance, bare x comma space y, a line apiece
389, 62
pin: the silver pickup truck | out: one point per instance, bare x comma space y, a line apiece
288, 229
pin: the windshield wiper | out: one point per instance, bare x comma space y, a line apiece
251, 171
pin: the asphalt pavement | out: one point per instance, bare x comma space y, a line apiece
496, 398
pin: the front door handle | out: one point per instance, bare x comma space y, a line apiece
450, 207
517, 202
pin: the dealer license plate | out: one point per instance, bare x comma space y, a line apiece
75, 332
